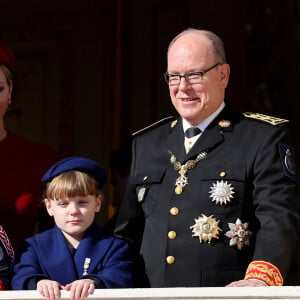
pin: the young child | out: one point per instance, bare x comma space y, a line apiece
75, 255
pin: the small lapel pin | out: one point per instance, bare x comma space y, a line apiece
173, 124
86, 265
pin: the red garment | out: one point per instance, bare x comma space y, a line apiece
2, 287
22, 165
7, 245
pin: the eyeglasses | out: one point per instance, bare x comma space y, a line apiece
191, 77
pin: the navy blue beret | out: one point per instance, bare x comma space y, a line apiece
82, 164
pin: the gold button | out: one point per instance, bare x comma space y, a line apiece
174, 211
223, 174
170, 260
145, 178
172, 235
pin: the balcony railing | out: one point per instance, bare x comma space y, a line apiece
215, 293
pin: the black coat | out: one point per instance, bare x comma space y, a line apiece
248, 155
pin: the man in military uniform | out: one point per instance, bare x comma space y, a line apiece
212, 194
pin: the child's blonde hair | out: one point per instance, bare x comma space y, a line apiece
71, 184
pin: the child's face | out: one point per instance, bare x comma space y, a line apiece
74, 215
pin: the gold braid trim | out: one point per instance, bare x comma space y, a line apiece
264, 271
271, 120
162, 121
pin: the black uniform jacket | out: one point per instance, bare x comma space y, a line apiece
252, 157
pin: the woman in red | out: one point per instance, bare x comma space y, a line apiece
22, 163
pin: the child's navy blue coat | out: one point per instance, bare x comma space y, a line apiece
47, 256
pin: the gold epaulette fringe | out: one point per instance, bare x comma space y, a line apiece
268, 119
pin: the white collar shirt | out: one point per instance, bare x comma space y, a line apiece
189, 142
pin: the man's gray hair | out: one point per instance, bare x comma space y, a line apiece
216, 42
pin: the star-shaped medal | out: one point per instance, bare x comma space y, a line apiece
206, 228
239, 234
221, 192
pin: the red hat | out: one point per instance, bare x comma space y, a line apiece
7, 57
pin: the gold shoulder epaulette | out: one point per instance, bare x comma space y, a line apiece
271, 120
160, 122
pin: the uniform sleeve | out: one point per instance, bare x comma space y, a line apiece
277, 209
27, 269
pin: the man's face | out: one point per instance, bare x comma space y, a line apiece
195, 102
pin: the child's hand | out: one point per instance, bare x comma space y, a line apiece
79, 289
49, 289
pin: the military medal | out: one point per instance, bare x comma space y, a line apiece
221, 192
182, 180
86, 265
206, 228
239, 234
